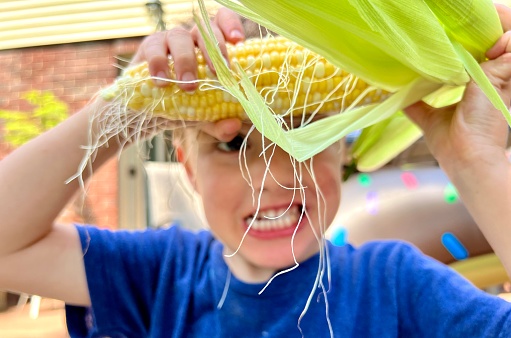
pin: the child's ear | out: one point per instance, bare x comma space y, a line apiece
179, 154
186, 163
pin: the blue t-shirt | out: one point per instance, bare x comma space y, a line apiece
175, 283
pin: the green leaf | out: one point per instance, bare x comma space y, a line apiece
423, 47
445, 96
315, 137
368, 137
397, 135
474, 24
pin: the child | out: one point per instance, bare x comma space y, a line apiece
174, 283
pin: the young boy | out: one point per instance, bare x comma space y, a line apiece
174, 283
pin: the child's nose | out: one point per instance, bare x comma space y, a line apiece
275, 168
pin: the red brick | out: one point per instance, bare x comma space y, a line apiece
48, 57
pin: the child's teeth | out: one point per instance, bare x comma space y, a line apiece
282, 222
270, 214
274, 219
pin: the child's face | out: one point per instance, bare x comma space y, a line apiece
231, 203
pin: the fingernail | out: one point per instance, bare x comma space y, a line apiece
236, 35
161, 79
188, 77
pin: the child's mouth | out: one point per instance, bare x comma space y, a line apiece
275, 222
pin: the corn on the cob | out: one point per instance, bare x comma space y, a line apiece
292, 80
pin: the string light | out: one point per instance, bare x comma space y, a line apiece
364, 180
409, 180
450, 194
454, 246
339, 236
372, 202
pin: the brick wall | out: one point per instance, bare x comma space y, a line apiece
74, 73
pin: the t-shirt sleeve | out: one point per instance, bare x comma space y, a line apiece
123, 271
438, 302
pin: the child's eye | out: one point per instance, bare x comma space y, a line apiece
233, 145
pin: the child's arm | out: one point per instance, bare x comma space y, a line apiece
469, 143
36, 255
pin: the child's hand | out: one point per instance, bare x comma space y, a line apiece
180, 44
473, 132
223, 130
469, 141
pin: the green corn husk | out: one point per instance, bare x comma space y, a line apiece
417, 49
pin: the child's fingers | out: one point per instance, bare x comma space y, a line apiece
182, 50
498, 71
423, 114
230, 24
505, 16
227, 27
154, 50
503, 45
223, 130
221, 43
416, 112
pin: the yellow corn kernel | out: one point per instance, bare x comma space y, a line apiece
276, 67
